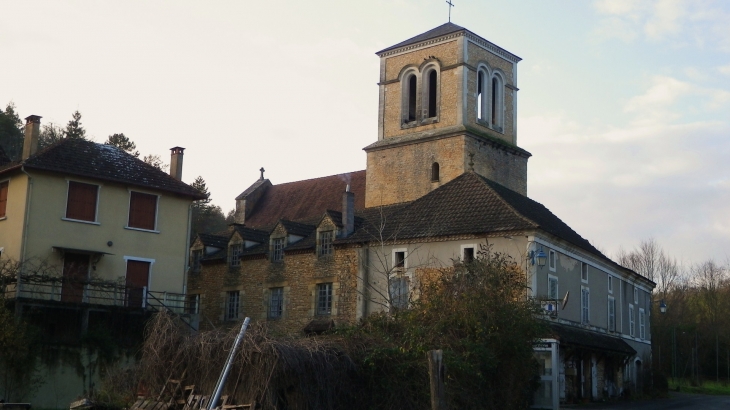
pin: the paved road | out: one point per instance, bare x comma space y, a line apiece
676, 401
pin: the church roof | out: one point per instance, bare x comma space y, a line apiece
469, 204
307, 199
102, 162
446, 29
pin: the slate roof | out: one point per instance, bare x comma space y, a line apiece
296, 228
573, 336
214, 240
104, 162
251, 234
469, 204
439, 31
296, 201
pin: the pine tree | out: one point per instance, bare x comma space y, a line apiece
122, 142
74, 128
11, 132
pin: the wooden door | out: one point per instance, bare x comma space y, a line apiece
75, 276
138, 275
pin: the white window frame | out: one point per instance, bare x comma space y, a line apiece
611, 310
228, 314
584, 269
610, 284
632, 323
585, 305
471, 246
552, 260
483, 114
405, 259
129, 211
642, 324
323, 252
636, 295
553, 278
234, 260
403, 283
98, 197
273, 249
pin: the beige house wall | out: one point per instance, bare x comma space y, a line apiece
11, 227
168, 248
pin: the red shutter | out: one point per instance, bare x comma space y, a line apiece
142, 210
138, 274
3, 198
81, 203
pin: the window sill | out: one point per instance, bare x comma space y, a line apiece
131, 228
430, 120
81, 221
2, 218
409, 124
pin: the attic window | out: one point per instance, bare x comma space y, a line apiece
277, 250
325, 243
195, 260
435, 172
468, 255
234, 254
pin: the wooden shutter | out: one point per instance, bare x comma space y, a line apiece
3, 197
138, 274
81, 204
75, 276
142, 210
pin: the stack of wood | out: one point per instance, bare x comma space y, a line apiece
175, 396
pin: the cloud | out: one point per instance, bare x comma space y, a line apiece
665, 19
620, 7
724, 69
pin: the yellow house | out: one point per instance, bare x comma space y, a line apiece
91, 224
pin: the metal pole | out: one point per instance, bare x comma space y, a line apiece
224, 375
717, 360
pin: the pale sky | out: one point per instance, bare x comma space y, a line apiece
623, 104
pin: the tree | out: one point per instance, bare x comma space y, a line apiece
155, 161
206, 217
49, 135
74, 128
122, 142
11, 132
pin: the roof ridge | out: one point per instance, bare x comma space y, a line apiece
312, 179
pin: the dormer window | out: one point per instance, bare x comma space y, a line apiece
277, 249
234, 254
325, 243
196, 258
435, 172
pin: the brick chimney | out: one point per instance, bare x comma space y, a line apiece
348, 212
32, 131
176, 162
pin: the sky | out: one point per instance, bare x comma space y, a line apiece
623, 104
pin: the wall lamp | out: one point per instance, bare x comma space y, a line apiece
662, 306
538, 257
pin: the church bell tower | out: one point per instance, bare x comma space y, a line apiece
447, 105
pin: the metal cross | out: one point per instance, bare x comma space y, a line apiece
450, 6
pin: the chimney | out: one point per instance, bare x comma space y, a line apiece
32, 130
176, 160
348, 212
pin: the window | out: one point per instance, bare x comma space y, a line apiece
233, 304
276, 302
3, 198
409, 103
234, 254
467, 254
324, 299
142, 211
325, 243
481, 95
552, 287
81, 201
497, 102
584, 272
435, 172
632, 329
192, 304
585, 304
611, 314
399, 288
430, 94
197, 257
610, 284
399, 260
277, 250
552, 260
636, 295
642, 324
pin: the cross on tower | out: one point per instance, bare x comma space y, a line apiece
450, 6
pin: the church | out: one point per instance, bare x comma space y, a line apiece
444, 177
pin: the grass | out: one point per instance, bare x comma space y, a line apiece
721, 388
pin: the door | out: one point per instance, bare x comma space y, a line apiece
138, 276
75, 276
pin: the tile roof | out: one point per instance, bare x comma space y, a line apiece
105, 162
296, 228
251, 234
253, 187
469, 204
215, 240
296, 201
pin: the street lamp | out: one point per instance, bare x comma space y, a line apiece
538, 257
662, 306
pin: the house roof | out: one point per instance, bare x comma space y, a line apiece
251, 234
442, 30
296, 201
469, 204
573, 336
296, 228
104, 162
215, 240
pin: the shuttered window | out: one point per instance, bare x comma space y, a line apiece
81, 203
552, 287
142, 211
3, 198
611, 314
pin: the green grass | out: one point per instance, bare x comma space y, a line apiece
707, 387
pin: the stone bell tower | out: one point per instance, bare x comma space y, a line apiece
447, 105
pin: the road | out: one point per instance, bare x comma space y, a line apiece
676, 401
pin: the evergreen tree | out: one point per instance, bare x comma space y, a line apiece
11, 132
206, 218
122, 142
74, 128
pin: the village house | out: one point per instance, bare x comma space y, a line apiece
444, 179
90, 237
